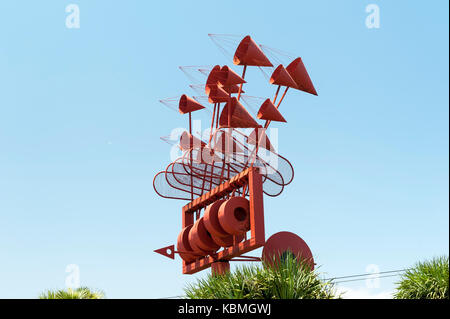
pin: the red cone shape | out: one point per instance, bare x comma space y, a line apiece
298, 72
249, 53
269, 112
232, 89
239, 115
282, 77
213, 78
217, 95
188, 105
228, 77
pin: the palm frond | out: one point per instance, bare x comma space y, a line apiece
426, 280
77, 293
286, 279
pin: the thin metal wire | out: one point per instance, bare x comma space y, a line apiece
368, 274
359, 279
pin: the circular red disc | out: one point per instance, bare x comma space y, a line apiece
211, 219
199, 238
227, 241
186, 252
284, 241
234, 215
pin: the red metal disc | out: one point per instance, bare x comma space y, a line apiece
234, 215
283, 242
183, 246
211, 219
227, 241
200, 240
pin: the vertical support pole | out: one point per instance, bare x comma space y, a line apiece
217, 115
186, 219
256, 207
212, 124
278, 105
191, 146
220, 268
214, 135
276, 94
209, 144
240, 87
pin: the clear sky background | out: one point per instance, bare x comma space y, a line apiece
80, 124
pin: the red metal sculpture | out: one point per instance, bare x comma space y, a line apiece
225, 178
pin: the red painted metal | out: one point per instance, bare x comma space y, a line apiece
228, 241
217, 94
282, 77
188, 105
239, 116
187, 142
200, 239
298, 72
168, 251
226, 144
240, 87
259, 136
234, 215
183, 245
213, 79
249, 53
211, 219
282, 242
224, 177
228, 77
269, 112
231, 89
249, 177
220, 267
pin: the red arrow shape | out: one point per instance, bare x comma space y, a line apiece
168, 251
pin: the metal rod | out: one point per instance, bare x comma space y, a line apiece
278, 105
191, 142
212, 123
240, 87
276, 94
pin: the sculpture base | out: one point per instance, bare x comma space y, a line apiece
220, 268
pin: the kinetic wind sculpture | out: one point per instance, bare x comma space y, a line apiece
224, 177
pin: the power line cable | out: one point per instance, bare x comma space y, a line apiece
173, 297
392, 273
359, 279
368, 274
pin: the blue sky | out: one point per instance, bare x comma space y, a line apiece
80, 124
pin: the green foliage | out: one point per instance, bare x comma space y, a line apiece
78, 293
288, 279
427, 280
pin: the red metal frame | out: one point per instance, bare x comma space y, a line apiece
253, 181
